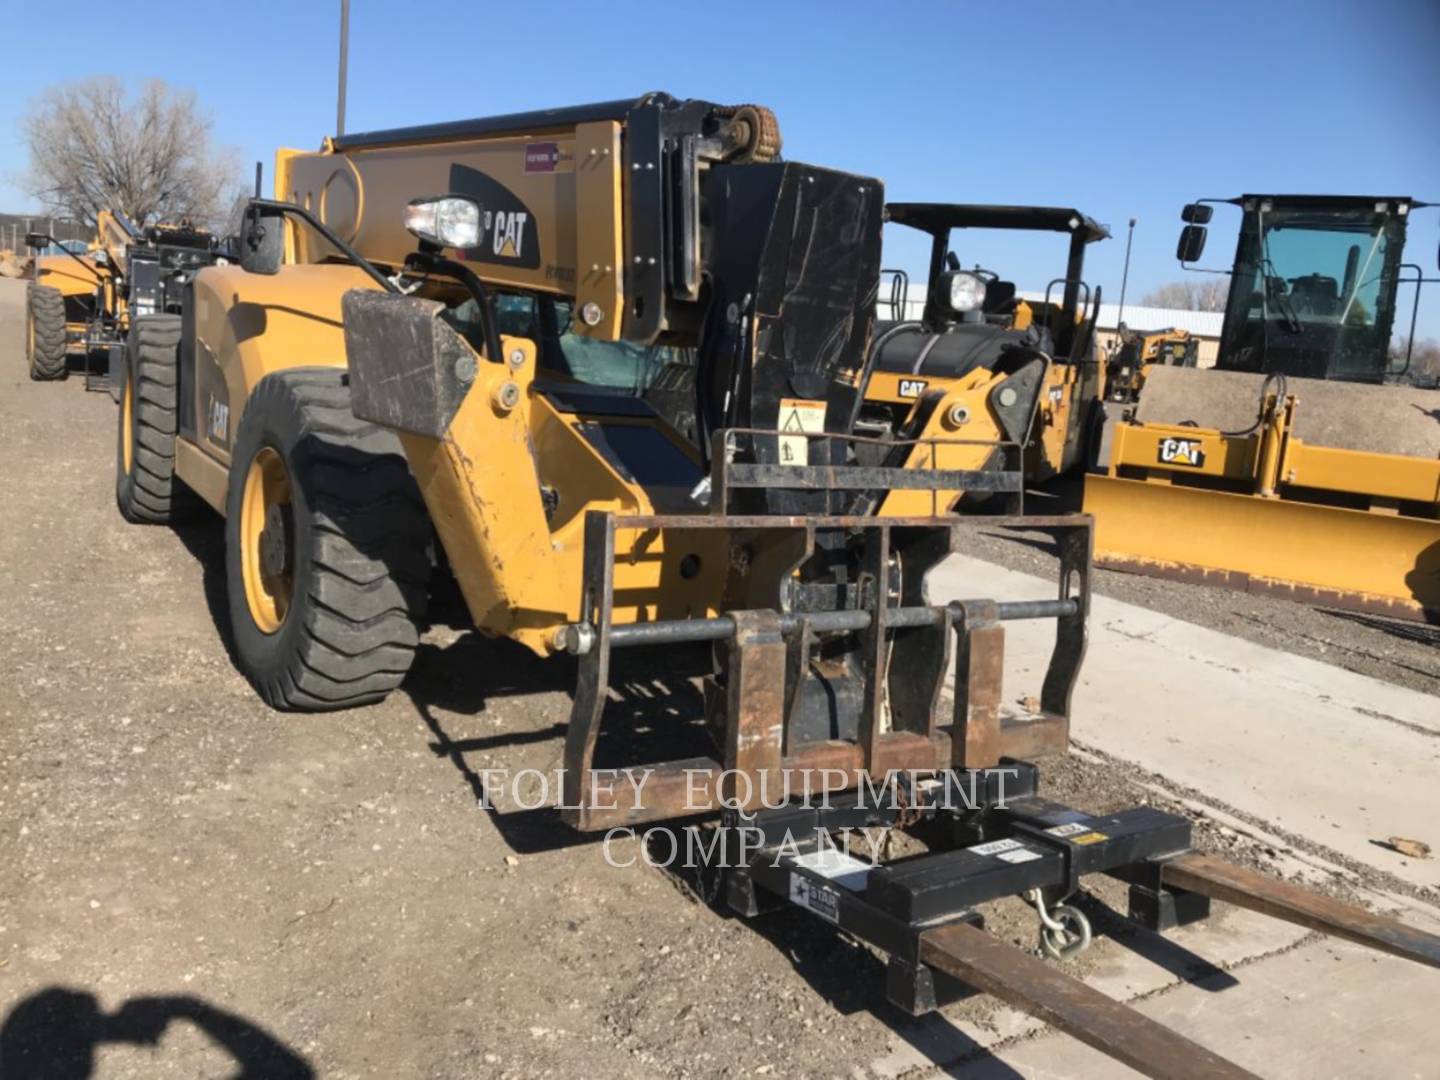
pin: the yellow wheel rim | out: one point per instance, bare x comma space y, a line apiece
266, 540
127, 433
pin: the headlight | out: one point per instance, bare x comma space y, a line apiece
447, 220
962, 292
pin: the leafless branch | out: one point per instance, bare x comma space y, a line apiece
147, 155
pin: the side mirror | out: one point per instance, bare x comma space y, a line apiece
36, 240
262, 240
1197, 213
1192, 244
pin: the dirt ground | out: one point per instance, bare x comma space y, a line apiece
193, 881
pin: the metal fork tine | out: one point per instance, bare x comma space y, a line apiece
1043, 990
1259, 892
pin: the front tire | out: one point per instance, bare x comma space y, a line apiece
147, 490
327, 547
45, 333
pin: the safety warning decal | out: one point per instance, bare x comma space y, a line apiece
798, 414
1181, 452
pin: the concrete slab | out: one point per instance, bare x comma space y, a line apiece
1340, 759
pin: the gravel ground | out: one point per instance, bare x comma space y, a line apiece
323, 895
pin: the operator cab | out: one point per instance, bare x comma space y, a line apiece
1314, 284
971, 318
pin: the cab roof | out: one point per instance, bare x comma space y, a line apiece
939, 217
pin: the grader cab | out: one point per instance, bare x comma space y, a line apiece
610, 358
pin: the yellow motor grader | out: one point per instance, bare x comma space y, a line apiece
1303, 463
447, 337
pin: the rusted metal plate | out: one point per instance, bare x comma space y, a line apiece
979, 675
1045, 991
755, 709
1259, 892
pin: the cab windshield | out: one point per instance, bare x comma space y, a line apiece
1313, 292
614, 365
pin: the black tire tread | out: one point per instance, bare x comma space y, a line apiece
368, 550
152, 493
47, 312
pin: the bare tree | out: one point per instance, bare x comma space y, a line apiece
1207, 294
149, 156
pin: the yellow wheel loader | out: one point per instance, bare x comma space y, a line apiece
1135, 352
608, 360
974, 328
1303, 464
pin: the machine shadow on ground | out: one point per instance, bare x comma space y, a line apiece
57, 1033
651, 717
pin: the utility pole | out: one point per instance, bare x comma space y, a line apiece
1125, 277
344, 63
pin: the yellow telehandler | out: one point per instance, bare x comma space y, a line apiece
445, 337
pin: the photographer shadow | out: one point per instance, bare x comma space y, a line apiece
54, 1034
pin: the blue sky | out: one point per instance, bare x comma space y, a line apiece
1120, 109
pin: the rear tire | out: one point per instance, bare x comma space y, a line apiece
45, 333
146, 487
327, 547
